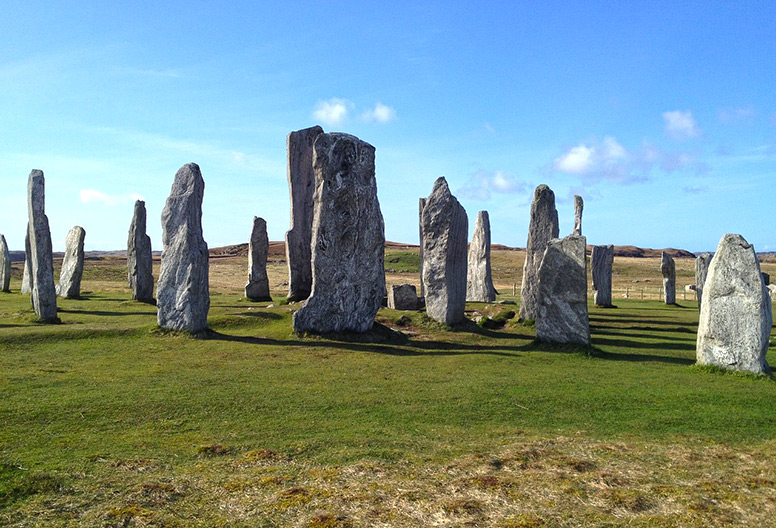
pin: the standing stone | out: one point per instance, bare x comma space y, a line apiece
668, 269
44, 294
542, 228
301, 184
445, 230
72, 264
479, 282
562, 312
139, 258
27, 276
421, 205
702, 263
735, 321
348, 241
766, 278
601, 261
183, 296
257, 288
578, 206
5, 266
402, 297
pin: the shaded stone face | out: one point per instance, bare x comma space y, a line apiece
402, 297
72, 264
601, 262
5, 266
348, 241
702, 263
578, 206
542, 228
257, 288
43, 292
139, 257
183, 296
562, 315
445, 229
735, 319
301, 185
479, 282
668, 269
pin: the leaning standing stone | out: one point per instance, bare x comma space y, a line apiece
542, 228
72, 264
44, 293
445, 229
301, 184
139, 258
348, 241
183, 296
668, 269
735, 321
562, 313
702, 263
257, 288
479, 283
5, 266
601, 261
578, 206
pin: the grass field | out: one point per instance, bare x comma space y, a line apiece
107, 421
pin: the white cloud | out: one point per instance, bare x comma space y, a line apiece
483, 184
578, 160
332, 112
379, 114
95, 196
681, 125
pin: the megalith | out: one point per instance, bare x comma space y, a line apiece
702, 263
72, 264
479, 282
445, 230
139, 257
26, 288
257, 288
182, 294
421, 205
301, 185
402, 297
735, 319
43, 291
348, 239
542, 228
5, 266
668, 269
601, 262
578, 206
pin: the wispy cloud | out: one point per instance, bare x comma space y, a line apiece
94, 196
483, 184
379, 114
735, 115
681, 125
690, 189
332, 112
149, 72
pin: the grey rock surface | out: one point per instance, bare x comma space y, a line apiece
542, 228
579, 204
735, 319
27, 274
139, 257
601, 262
702, 263
772, 290
183, 295
766, 278
301, 185
348, 241
72, 264
479, 282
5, 266
402, 297
562, 315
445, 230
44, 293
257, 288
668, 269
421, 205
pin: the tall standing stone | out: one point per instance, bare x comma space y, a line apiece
578, 206
5, 266
601, 262
421, 205
348, 239
445, 230
72, 264
301, 184
44, 293
562, 315
479, 282
257, 288
668, 269
735, 320
702, 263
27, 274
183, 296
140, 263
542, 228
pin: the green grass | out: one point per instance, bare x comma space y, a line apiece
402, 261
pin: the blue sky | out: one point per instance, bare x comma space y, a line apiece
662, 116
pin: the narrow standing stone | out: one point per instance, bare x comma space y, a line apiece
183, 296
421, 205
27, 276
578, 206
44, 293
735, 320
348, 243
72, 264
542, 228
5, 266
668, 269
257, 288
140, 262
601, 262
445, 230
479, 283
702, 263
301, 184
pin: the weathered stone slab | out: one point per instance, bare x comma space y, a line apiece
72, 264
702, 263
183, 295
542, 228
44, 293
421, 205
579, 204
445, 230
601, 262
257, 288
772, 290
139, 257
766, 278
735, 320
479, 282
5, 266
348, 242
668, 269
402, 297
27, 275
562, 315
301, 184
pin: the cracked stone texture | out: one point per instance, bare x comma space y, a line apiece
5, 266
72, 270
257, 288
668, 269
479, 282
601, 261
702, 263
139, 257
542, 228
43, 292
